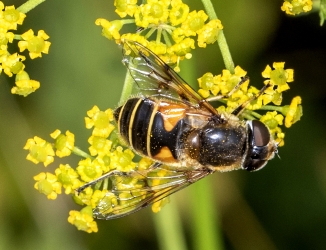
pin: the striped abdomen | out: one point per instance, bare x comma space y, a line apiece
152, 127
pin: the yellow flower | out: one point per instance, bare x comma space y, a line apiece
83, 220
10, 17
24, 86
100, 120
209, 33
272, 119
68, 177
183, 48
35, 44
5, 37
106, 204
279, 76
89, 170
12, 64
85, 197
296, 7
122, 160
194, 22
125, 7
99, 145
144, 163
206, 84
153, 12
97, 197
110, 29
39, 151
271, 95
293, 112
178, 13
157, 47
48, 184
63, 143
278, 136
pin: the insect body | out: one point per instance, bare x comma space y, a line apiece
171, 124
181, 136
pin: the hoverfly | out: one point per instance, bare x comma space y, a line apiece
168, 122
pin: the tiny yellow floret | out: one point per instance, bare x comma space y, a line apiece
48, 184
68, 177
63, 143
39, 151
24, 85
83, 220
35, 44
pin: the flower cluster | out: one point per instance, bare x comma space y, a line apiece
105, 155
12, 63
233, 90
295, 7
175, 27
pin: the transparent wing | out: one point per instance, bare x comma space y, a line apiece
155, 78
147, 189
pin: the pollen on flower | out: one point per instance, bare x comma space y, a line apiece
39, 151
47, 183
83, 220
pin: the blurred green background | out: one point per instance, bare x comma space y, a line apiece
281, 207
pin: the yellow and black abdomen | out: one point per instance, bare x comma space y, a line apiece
152, 127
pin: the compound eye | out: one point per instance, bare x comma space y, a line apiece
261, 133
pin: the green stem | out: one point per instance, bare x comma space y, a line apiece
227, 58
271, 107
127, 88
168, 228
29, 5
18, 37
205, 223
127, 21
80, 152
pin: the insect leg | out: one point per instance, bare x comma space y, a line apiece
105, 176
239, 109
219, 97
